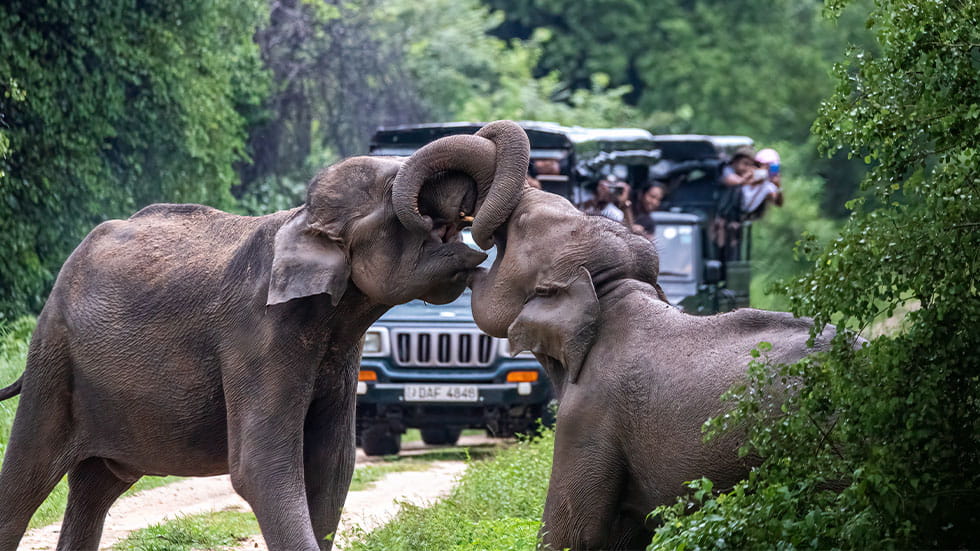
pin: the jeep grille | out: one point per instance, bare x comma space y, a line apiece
446, 348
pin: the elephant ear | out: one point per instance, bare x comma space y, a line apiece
305, 263
561, 322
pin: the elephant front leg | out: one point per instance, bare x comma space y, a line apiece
266, 466
329, 454
586, 488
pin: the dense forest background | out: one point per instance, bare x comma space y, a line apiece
107, 106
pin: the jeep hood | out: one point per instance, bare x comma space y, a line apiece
417, 310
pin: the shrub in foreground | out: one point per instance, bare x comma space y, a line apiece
897, 423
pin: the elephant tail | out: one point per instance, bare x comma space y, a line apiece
12, 390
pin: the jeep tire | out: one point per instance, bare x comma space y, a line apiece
380, 440
441, 436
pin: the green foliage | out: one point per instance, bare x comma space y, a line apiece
515, 93
895, 424
344, 72
753, 67
497, 505
106, 108
218, 530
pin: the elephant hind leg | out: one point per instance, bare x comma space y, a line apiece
25, 481
40, 451
92, 489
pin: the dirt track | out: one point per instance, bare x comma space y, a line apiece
365, 509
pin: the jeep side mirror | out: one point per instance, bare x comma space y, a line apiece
712, 271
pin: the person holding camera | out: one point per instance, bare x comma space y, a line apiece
741, 173
756, 196
611, 200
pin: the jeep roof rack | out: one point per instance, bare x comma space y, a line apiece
548, 139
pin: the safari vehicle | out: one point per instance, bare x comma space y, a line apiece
430, 367
693, 274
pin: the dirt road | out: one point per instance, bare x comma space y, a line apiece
365, 509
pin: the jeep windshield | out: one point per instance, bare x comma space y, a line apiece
676, 247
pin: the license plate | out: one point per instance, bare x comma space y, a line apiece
441, 393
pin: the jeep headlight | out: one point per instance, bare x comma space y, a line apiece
375, 342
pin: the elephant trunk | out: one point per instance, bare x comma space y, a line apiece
495, 205
496, 158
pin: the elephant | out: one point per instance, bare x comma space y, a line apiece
635, 377
188, 341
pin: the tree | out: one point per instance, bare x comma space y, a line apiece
896, 423
749, 66
342, 69
753, 67
108, 107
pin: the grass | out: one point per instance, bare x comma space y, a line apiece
497, 505
366, 475
217, 530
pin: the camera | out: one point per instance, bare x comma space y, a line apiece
616, 188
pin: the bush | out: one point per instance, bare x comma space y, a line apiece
895, 425
106, 108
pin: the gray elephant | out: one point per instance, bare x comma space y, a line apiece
635, 377
187, 341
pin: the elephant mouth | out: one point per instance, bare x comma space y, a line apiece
449, 232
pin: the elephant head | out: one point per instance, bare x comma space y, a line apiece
554, 264
392, 225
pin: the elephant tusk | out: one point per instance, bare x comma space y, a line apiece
465, 219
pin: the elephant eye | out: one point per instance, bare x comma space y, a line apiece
548, 291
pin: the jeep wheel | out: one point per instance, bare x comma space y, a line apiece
440, 436
380, 440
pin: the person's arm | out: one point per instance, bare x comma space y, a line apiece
776, 197
625, 205
731, 178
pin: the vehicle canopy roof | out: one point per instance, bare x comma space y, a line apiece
688, 165
683, 147
548, 139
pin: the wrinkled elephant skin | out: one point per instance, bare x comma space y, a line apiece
187, 341
636, 378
